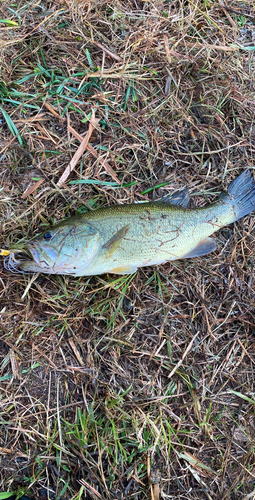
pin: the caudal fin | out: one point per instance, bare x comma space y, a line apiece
241, 195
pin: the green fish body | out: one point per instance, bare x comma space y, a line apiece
122, 238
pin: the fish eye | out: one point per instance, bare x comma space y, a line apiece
48, 236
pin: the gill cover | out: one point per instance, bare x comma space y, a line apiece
67, 248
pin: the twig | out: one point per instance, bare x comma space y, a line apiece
90, 148
232, 22
183, 356
109, 52
52, 111
32, 188
89, 487
83, 146
200, 45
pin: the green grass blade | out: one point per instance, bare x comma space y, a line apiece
12, 127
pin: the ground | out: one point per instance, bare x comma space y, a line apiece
141, 386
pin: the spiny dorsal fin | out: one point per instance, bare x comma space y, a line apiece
180, 198
112, 244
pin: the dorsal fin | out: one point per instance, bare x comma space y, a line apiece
180, 198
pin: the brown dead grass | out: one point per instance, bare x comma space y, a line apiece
87, 406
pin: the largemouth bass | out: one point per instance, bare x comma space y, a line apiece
122, 238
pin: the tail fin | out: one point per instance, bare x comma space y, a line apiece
241, 194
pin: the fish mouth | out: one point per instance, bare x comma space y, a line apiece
38, 259
31, 258
33, 253
34, 259
17, 258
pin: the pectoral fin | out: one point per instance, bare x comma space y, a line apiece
112, 244
123, 270
205, 246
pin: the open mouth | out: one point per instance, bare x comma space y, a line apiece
16, 257
32, 252
31, 257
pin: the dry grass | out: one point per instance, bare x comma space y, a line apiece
87, 407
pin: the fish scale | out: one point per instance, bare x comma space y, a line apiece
157, 233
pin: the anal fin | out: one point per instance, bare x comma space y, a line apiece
204, 247
129, 269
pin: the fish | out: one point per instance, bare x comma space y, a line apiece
122, 238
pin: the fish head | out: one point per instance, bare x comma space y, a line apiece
66, 248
